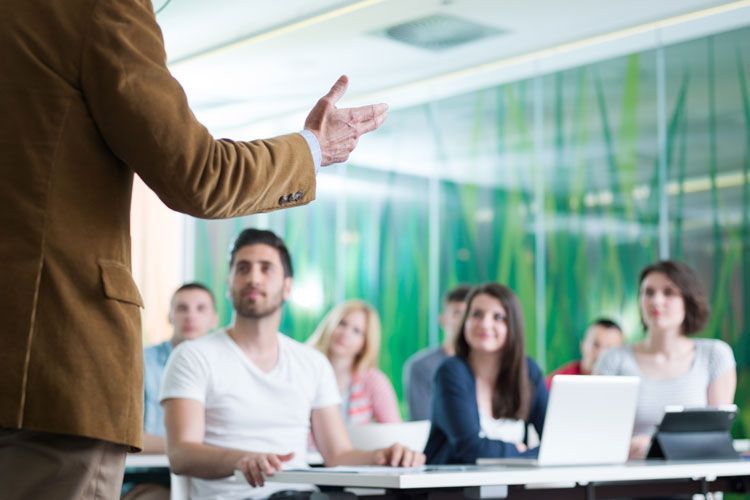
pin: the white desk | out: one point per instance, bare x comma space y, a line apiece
532, 482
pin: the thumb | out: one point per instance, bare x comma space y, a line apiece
287, 457
338, 89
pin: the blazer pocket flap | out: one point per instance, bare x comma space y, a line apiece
118, 283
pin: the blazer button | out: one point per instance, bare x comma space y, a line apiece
297, 196
283, 199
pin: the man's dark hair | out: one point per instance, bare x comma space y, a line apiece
606, 323
196, 286
457, 294
697, 308
252, 236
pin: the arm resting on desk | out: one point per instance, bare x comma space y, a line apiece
185, 421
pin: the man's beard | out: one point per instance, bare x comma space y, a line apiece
257, 310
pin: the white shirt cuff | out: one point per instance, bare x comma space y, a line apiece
314, 145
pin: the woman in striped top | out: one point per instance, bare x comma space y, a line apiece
674, 368
349, 336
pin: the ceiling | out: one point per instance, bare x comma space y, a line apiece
245, 62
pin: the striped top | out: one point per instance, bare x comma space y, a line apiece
370, 398
713, 358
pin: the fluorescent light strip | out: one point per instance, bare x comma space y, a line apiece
276, 32
688, 186
704, 183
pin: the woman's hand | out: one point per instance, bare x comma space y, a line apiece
639, 446
399, 455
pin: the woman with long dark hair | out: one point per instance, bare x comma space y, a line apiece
485, 396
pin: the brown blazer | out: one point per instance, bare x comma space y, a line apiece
85, 102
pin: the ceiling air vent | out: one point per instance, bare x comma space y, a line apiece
439, 32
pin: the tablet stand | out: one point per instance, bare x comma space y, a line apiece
692, 445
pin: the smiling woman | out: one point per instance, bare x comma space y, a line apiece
485, 396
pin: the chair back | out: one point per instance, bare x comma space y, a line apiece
179, 487
373, 436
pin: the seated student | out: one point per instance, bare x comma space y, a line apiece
674, 368
247, 396
420, 368
192, 314
349, 336
601, 335
485, 396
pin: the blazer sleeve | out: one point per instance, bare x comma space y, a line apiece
142, 114
455, 411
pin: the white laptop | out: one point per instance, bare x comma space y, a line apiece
589, 421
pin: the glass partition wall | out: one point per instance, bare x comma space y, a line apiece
562, 186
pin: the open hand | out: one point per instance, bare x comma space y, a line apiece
338, 130
399, 455
256, 465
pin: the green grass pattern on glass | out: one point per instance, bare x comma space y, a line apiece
598, 160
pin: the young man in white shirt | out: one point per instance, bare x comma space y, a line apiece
247, 397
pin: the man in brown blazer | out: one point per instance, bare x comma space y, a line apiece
86, 101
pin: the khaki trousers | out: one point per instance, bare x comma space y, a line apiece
42, 465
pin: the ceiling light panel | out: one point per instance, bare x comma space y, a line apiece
439, 32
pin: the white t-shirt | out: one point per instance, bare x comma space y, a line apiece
247, 408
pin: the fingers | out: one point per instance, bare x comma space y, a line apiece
257, 466
244, 466
338, 90
399, 455
338, 130
396, 452
253, 474
412, 458
380, 456
274, 464
367, 118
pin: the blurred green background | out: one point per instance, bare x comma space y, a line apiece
562, 186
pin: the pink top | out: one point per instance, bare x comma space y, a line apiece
371, 397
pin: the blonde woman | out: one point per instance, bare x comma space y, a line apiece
349, 336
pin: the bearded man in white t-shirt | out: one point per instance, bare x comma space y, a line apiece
247, 397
